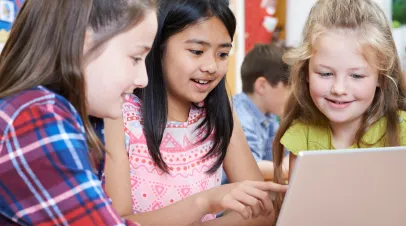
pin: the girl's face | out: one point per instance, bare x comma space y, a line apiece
119, 68
195, 60
342, 83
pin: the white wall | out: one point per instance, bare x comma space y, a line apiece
240, 51
387, 7
297, 11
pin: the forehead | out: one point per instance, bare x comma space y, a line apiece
145, 30
344, 50
212, 30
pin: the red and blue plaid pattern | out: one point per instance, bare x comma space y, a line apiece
45, 174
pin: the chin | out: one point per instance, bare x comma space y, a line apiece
342, 120
336, 121
108, 114
197, 99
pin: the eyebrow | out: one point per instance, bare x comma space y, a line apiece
356, 68
350, 69
144, 48
322, 65
204, 43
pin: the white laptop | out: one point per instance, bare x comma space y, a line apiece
356, 187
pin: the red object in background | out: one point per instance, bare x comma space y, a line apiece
254, 31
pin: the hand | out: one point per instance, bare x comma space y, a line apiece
248, 198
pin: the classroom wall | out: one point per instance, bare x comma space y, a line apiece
238, 51
250, 30
231, 73
297, 11
8, 13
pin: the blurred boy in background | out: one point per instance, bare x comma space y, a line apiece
265, 89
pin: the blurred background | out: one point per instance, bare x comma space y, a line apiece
282, 21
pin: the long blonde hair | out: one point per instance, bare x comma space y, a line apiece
375, 37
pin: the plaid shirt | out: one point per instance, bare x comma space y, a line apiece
45, 174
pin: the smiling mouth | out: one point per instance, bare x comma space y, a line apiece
339, 102
202, 82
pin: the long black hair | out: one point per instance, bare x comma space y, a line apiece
173, 17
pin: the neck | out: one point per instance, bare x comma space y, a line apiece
344, 133
257, 101
178, 111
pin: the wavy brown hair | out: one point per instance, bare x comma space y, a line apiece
368, 22
46, 42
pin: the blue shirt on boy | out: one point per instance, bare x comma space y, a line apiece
259, 128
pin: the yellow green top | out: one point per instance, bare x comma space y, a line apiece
305, 137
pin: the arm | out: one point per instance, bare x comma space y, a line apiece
117, 168
267, 169
233, 196
239, 152
118, 186
46, 176
215, 200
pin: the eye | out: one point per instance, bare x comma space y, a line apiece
223, 55
325, 74
357, 76
136, 60
196, 52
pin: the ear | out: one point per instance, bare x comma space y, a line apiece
260, 85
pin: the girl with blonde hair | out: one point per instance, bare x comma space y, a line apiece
347, 84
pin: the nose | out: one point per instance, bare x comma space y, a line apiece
141, 78
339, 86
209, 65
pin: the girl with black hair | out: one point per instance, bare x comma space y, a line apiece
180, 130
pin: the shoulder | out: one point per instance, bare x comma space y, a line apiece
378, 129
295, 137
298, 127
402, 117
36, 120
242, 110
238, 97
301, 136
36, 104
240, 100
34, 97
